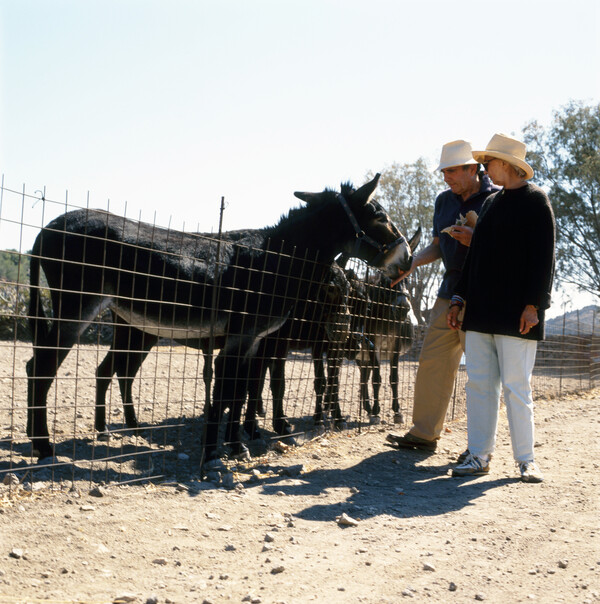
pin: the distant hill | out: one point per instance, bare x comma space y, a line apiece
580, 321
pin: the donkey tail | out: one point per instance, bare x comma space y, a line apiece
38, 323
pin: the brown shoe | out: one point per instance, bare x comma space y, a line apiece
409, 441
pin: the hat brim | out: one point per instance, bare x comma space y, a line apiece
480, 156
471, 162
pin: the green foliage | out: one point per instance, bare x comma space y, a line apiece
566, 160
14, 267
14, 297
408, 193
14, 302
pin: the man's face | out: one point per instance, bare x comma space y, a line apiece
461, 179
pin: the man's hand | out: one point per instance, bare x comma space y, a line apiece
403, 274
452, 318
462, 234
529, 319
429, 254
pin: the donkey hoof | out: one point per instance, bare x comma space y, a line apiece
50, 460
103, 436
251, 431
282, 427
319, 429
374, 420
398, 418
42, 451
290, 441
241, 453
215, 465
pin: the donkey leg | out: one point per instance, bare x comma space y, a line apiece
365, 375
48, 354
332, 392
320, 384
215, 411
376, 388
104, 374
129, 360
280, 423
237, 397
128, 351
256, 381
207, 371
255, 386
232, 431
231, 386
394, 381
127, 369
41, 372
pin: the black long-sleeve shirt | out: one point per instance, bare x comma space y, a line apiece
448, 208
510, 263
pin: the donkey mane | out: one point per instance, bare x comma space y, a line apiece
316, 205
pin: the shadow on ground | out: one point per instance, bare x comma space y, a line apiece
387, 483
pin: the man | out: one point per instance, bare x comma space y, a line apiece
443, 347
506, 284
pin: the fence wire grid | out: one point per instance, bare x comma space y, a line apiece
132, 399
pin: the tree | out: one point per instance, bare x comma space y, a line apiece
566, 159
14, 297
408, 193
14, 267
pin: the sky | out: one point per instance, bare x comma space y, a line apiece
157, 109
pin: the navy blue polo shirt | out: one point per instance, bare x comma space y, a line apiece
448, 207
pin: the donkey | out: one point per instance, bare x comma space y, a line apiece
329, 319
325, 330
171, 284
388, 331
130, 346
377, 322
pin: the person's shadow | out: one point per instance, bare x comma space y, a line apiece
388, 483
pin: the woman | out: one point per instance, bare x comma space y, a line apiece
506, 280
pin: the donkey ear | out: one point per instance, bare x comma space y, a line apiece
415, 239
307, 197
364, 194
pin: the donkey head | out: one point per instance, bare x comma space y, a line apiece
371, 235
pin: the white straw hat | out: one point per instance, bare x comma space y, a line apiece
508, 149
456, 153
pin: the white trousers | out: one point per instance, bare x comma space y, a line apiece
494, 361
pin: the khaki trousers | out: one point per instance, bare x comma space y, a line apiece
438, 364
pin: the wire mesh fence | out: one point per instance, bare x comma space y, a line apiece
125, 348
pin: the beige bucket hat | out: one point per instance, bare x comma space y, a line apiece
508, 149
456, 153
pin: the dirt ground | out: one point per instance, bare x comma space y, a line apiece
277, 534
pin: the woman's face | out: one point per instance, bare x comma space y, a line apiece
495, 169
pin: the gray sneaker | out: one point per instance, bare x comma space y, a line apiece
530, 472
472, 466
463, 456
